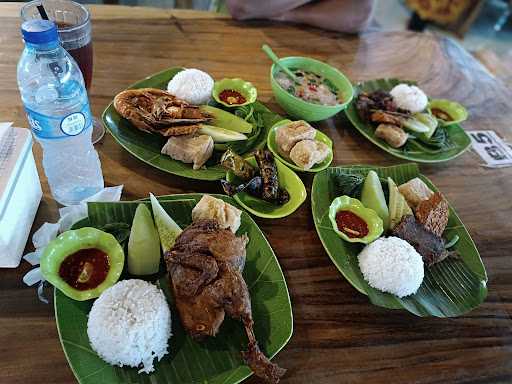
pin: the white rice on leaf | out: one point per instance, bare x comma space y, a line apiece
409, 97
392, 265
130, 324
192, 85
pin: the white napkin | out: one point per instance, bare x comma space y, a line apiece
49, 231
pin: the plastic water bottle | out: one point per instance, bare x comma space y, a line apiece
53, 92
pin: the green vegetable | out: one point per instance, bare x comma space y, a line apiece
348, 184
221, 135
372, 220
121, 231
166, 226
226, 120
398, 206
373, 197
73, 241
143, 246
414, 125
428, 120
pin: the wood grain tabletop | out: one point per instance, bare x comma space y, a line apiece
339, 337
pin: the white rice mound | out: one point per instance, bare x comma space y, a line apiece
192, 85
392, 265
409, 97
129, 324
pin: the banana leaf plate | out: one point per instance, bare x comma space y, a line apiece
147, 146
215, 361
450, 288
456, 142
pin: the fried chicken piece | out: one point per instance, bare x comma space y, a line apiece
205, 294
152, 109
433, 213
391, 134
386, 118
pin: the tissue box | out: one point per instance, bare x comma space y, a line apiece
20, 193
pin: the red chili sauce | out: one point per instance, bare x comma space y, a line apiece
351, 224
85, 269
230, 96
440, 114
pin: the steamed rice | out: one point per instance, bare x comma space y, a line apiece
392, 265
130, 324
192, 85
409, 97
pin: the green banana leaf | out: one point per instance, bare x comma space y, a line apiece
147, 146
456, 143
215, 361
450, 288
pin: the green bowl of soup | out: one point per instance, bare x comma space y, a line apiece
310, 101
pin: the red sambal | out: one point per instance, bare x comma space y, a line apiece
351, 224
85, 269
231, 97
440, 114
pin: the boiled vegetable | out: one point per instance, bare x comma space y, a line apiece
226, 120
221, 135
398, 206
144, 244
166, 226
372, 196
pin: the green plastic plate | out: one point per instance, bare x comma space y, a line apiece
147, 146
215, 361
450, 288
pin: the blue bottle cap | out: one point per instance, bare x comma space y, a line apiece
39, 31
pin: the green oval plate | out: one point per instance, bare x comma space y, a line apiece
320, 136
450, 288
147, 146
457, 136
214, 361
287, 180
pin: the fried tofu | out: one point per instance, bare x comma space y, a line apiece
307, 153
190, 149
415, 191
290, 134
433, 213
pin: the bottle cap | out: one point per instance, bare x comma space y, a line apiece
39, 31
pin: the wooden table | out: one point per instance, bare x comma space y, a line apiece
339, 337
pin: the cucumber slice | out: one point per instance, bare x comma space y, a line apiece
414, 125
372, 196
144, 244
398, 206
221, 135
428, 120
226, 120
166, 226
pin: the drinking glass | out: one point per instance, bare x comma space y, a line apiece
74, 26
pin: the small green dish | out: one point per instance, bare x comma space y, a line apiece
374, 222
303, 110
287, 180
272, 145
246, 88
454, 109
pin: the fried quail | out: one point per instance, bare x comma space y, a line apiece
205, 267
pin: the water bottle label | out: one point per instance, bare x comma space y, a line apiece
50, 127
